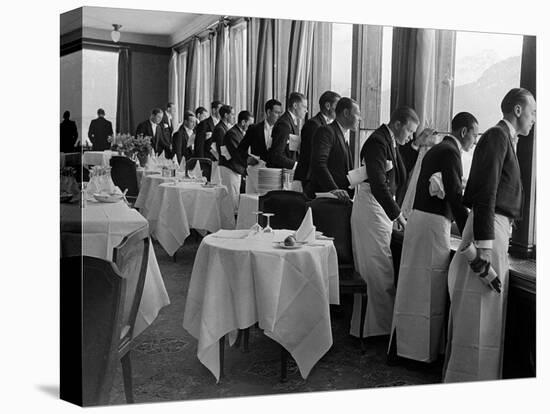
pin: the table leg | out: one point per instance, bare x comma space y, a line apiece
222, 349
284, 363
246, 336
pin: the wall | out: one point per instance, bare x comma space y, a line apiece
71, 87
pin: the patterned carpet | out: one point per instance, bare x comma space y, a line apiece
166, 368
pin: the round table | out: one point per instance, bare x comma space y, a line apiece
150, 180
238, 280
176, 208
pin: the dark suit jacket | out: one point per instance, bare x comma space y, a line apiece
255, 140
166, 122
330, 160
217, 137
377, 149
445, 158
180, 139
160, 141
494, 185
303, 172
202, 145
98, 132
231, 140
279, 156
68, 136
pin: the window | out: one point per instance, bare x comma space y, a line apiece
387, 38
341, 58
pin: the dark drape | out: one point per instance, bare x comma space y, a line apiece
191, 79
403, 68
124, 121
264, 68
220, 71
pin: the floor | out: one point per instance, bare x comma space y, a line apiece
166, 368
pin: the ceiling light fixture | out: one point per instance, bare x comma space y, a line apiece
115, 34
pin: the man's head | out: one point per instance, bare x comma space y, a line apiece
403, 122
215, 107
156, 115
227, 114
348, 113
100, 112
201, 113
273, 110
297, 104
244, 120
464, 127
189, 120
520, 109
170, 108
66, 115
327, 103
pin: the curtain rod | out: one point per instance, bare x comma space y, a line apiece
226, 20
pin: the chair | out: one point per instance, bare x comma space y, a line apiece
124, 175
332, 217
131, 257
205, 163
289, 208
102, 302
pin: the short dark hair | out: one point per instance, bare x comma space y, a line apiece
100, 111
215, 104
187, 115
225, 109
328, 96
463, 119
514, 97
156, 111
66, 115
169, 104
271, 103
295, 97
244, 116
404, 114
344, 103
200, 110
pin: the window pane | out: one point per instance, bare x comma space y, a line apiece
341, 58
387, 37
486, 66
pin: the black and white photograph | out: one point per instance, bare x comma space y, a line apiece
262, 209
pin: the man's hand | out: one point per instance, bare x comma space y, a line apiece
426, 137
401, 222
252, 161
482, 260
341, 194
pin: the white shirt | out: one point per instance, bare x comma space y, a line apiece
267, 134
457, 143
169, 117
154, 127
191, 135
294, 118
216, 120
345, 132
392, 136
327, 119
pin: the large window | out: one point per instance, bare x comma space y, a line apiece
387, 38
341, 58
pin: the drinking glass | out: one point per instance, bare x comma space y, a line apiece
256, 228
268, 228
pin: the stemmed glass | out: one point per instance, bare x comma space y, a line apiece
268, 228
256, 228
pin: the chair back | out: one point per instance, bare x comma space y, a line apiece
131, 257
205, 163
102, 303
289, 208
332, 217
123, 173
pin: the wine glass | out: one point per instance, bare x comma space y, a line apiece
256, 228
268, 228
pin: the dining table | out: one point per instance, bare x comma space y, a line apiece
101, 227
240, 278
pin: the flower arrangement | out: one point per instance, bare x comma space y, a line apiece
68, 172
131, 146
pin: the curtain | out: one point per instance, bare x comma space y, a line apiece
173, 87
124, 122
237, 74
192, 77
281, 43
252, 29
299, 56
221, 73
182, 71
264, 67
205, 78
321, 64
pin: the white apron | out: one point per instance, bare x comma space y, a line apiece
419, 311
232, 182
475, 341
252, 179
371, 231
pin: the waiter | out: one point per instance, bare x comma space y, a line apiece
420, 300
495, 194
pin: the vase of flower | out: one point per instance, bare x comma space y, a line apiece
142, 158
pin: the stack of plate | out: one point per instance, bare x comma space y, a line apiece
269, 179
288, 177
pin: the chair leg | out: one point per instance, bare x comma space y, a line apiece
174, 256
363, 315
284, 363
127, 377
238, 340
246, 337
222, 349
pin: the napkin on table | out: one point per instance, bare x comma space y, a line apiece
196, 172
306, 231
436, 186
182, 165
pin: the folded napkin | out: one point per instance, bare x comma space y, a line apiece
182, 165
196, 172
215, 177
358, 175
306, 231
161, 156
175, 160
436, 186
294, 142
225, 152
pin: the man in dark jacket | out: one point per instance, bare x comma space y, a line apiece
183, 139
100, 129
68, 134
152, 127
204, 131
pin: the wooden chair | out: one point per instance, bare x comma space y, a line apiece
102, 303
289, 208
124, 175
205, 163
131, 257
332, 217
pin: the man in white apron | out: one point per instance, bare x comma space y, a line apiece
373, 214
495, 194
421, 297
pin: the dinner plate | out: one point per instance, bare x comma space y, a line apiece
283, 246
108, 198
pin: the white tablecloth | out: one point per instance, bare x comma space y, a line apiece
175, 209
248, 204
104, 225
238, 282
147, 191
97, 157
